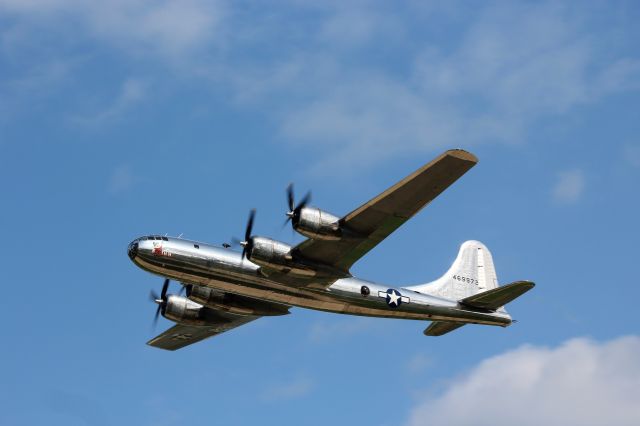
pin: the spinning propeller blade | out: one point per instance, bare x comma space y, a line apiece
246, 244
160, 300
294, 211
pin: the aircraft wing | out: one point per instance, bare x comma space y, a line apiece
181, 335
376, 219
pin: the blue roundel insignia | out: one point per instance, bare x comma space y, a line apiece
394, 298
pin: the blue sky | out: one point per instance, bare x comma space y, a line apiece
125, 118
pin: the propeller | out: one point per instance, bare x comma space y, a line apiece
247, 242
188, 288
294, 211
160, 300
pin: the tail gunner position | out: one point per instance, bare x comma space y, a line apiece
225, 289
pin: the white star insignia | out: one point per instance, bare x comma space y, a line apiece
393, 297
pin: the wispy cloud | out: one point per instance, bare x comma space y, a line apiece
310, 67
419, 363
121, 180
356, 23
513, 65
632, 154
293, 389
337, 329
170, 28
569, 187
131, 92
39, 81
581, 382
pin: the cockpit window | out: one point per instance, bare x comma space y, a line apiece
165, 239
149, 238
158, 238
196, 246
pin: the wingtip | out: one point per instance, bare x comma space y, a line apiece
462, 154
523, 283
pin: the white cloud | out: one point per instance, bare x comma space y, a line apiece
581, 382
354, 23
513, 65
356, 83
368, 120
569, 187
296, 388
517, 58
170, 28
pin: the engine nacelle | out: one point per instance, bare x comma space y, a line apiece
317, 224
184, 311
233, 303
276, 255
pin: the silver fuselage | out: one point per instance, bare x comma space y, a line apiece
192, 262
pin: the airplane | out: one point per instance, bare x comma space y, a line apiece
226, 288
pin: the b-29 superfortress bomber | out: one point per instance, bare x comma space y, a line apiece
227, 288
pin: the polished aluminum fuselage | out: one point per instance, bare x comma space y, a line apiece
197, 263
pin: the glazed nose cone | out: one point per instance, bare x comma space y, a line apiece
132, 250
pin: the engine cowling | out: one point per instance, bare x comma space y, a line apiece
317, 224
233, 303
184, 311
276, 255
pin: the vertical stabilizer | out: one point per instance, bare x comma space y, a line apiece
471, 273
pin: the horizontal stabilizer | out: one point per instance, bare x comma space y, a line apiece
497, 297
438, 328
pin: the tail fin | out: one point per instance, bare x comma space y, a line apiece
471, 273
